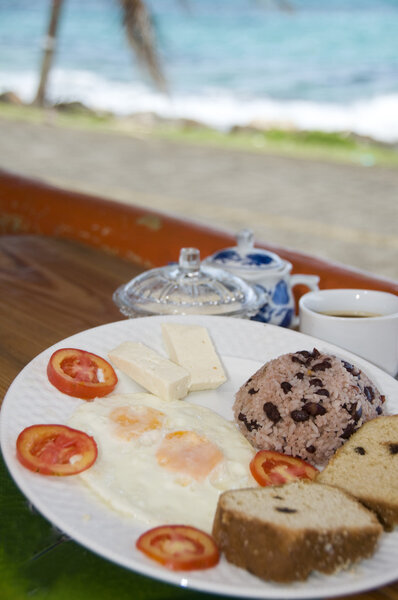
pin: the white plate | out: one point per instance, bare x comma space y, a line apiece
66, 502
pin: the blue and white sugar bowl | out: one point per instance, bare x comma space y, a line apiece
267, 271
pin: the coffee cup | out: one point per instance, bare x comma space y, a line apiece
364, 322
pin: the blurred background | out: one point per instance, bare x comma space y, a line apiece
277, 115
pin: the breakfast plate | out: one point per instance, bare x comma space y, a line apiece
66, 502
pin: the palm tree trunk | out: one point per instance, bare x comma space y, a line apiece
141, 37
48, 55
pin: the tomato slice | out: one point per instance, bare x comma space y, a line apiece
179, 547
81, 374
55, 450
273, 468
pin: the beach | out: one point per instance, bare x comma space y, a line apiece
332, 209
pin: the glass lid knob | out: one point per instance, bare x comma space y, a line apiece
189, 261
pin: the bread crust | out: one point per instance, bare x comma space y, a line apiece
347, 467
385, 512
281, 554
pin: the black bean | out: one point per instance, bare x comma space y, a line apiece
252, 391
272, 412
348, 431
348, 366
311, 449
379, 410
286, 386
351, 368
393, 448
322, 392
298, 360
299, 416
351, 408
314, 409
285, 509
360, 450
250, 425
314, 354
316, 382
369, 393
322, 366
299, 375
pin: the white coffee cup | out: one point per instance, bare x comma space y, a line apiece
362, 321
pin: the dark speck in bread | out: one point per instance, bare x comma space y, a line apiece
360, 450
285, 509
393, 448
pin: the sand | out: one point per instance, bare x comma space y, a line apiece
341, 212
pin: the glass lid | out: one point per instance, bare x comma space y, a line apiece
245, 256
187, 288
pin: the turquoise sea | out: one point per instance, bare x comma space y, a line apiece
318, 64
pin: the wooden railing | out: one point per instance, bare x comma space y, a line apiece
141, 235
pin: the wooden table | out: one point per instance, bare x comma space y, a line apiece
51, 288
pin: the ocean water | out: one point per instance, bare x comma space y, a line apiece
312, 64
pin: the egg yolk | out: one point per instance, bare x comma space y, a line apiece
133, 422
188, 453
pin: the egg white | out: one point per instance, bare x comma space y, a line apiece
127, 476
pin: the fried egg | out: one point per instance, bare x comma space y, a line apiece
162, 462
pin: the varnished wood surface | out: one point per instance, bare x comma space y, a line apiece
52, 288
144, 236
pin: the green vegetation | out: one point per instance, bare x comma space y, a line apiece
314, 145
318, 145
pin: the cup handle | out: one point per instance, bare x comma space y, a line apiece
311, 281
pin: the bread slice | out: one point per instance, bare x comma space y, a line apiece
283, 533
367, 467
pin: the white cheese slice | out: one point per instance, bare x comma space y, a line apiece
154, 372
191, 347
